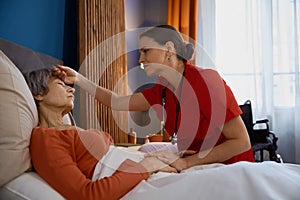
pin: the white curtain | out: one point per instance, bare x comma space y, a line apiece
206, 34
256, 52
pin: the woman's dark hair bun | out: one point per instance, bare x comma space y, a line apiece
189, 52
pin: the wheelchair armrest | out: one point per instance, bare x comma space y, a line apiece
272, 133
274, 137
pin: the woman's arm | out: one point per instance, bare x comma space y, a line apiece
237, 141
107, 97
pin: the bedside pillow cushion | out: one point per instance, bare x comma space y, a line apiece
18, 116
27, 59
158, 146
29, 186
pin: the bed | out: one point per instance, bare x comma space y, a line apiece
18, 115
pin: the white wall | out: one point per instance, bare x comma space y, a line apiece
139, 14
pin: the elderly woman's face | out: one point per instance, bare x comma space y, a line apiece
59, 97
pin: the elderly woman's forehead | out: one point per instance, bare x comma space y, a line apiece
147, 42
54, 77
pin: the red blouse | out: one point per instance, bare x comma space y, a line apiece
206, 103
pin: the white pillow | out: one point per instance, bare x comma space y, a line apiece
18, 116
158, 146
29, 186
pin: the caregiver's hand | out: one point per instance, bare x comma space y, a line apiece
169, 158
152, 165
68, 75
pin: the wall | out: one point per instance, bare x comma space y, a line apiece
41, 26
140, 14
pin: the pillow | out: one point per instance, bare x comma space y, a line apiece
18, 116
27, 59
29, 186
158, 146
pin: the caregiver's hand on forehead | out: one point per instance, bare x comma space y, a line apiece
68, 75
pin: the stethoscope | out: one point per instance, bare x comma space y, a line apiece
172, 138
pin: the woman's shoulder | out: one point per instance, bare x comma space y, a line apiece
199, 75
46, 132
203, 71
66, 129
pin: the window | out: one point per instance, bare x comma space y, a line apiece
257, 49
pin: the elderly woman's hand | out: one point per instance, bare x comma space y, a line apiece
152, 165
68, 75
170, 158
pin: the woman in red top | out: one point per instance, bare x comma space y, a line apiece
198, 109
65, 156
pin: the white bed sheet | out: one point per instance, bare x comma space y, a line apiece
242, 180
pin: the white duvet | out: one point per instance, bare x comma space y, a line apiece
242, 180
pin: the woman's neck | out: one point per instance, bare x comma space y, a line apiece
174, 75
49, 118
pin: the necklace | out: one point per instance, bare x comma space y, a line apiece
173, 138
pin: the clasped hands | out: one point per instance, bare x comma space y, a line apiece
173, 160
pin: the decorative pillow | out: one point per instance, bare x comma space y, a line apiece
158, 146
18, 116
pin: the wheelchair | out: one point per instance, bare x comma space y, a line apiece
263, 141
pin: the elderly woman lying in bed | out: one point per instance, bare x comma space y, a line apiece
66, 156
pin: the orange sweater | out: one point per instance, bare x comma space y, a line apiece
66, 160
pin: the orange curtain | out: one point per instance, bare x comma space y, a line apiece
182, 14
103, 61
